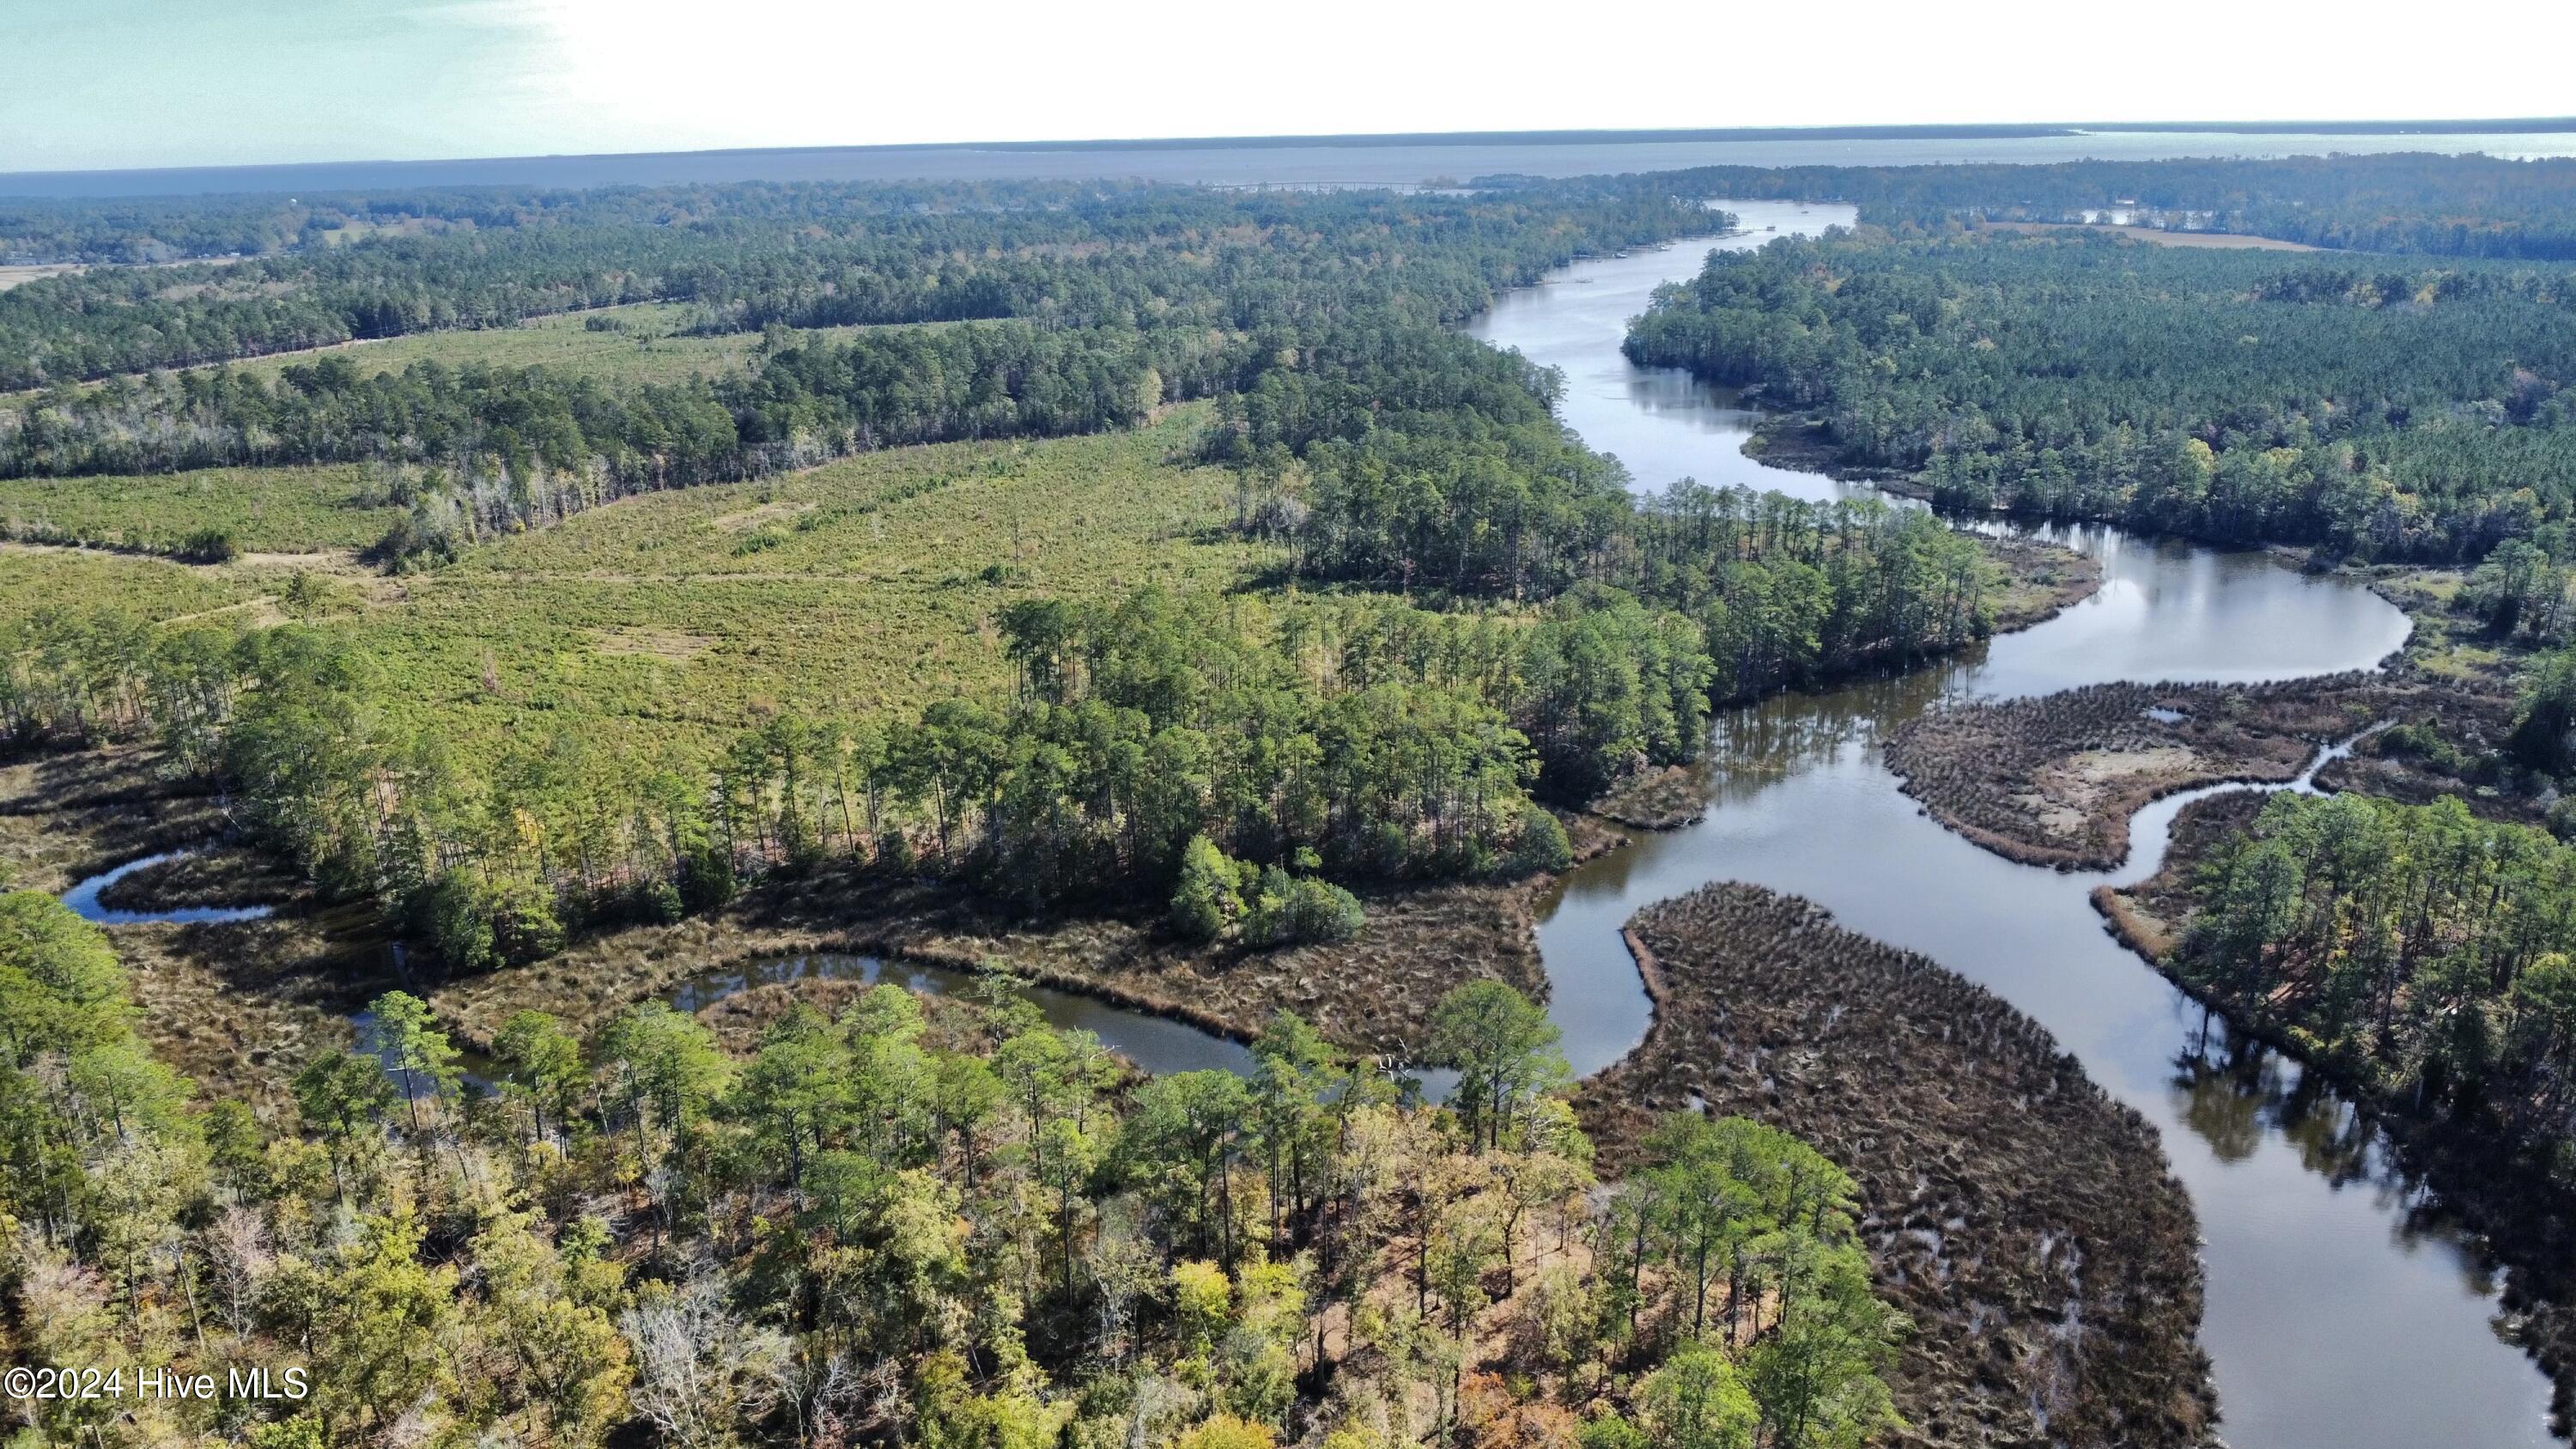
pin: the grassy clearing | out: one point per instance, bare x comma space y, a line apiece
2209, 240
35, 577
644, 346
867, 584
266, 510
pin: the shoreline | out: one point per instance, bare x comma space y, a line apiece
1960, 1118
2524, 1223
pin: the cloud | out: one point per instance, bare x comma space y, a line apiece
162, 82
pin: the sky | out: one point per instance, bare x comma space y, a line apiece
99, 84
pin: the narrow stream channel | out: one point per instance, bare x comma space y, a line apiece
2339, 1315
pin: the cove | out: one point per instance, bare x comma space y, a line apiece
2342, 1312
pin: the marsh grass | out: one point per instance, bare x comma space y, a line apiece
2003, 1195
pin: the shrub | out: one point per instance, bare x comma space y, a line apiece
1542, 844
1287, 912
524, 925
1205, 899
448, 917
1319, 910
209, 546
706, 878
471, 926
658, 901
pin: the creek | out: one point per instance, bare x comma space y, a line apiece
2343, 1310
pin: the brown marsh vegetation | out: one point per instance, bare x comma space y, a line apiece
2053, 780
2025, 1220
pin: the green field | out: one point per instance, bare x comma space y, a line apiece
868, 583
324, 508
266, 510
34, 579
864, 584
645, 348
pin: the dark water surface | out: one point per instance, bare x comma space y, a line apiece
1152, 1042
2342, 1314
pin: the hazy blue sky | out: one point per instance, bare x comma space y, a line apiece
113, 83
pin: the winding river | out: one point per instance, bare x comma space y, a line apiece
2342, 1313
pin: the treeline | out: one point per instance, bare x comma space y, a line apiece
1104, 312
2430, 953
956, 1227
167, 228
1055, 254
1584, 636
2381, 411
1360, 739
481, 449
2469, 206
1425, 462
1366, 741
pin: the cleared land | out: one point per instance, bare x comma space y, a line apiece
636, 343
274, 510
640, 342
2213, 240
19, 276
865, 584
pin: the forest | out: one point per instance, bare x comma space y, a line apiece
1057, 256
2428, 202
2424, 949
1504, 624
1349, 737
956, 1226
2379, 410
1090, 313
2442, 205
1235, 606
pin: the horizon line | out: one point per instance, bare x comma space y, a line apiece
1999, 130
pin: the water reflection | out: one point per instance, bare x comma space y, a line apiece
82, 898
1156, 1043
2342, 1309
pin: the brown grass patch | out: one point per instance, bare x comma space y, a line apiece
2054, 780
67, 816
1373, 994
2026, 1221
240, 1006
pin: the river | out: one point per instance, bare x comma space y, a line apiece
2339, 1315
2342, 1313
